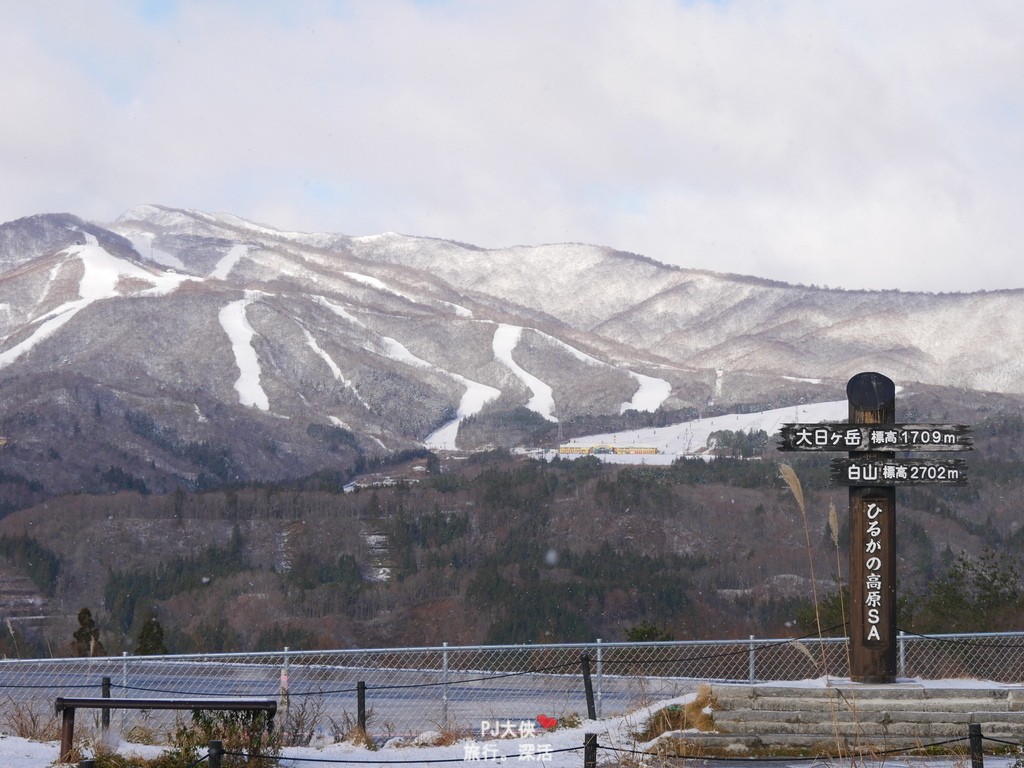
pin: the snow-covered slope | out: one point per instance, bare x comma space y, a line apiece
690, 438
326, 345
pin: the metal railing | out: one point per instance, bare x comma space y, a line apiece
411, 690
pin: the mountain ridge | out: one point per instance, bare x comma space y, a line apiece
252, 341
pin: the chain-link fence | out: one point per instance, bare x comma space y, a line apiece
411, 690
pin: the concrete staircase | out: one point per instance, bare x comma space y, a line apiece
858, 717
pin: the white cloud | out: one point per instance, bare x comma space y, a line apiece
846, 143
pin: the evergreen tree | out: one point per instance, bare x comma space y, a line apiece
980, 595
151, 638
86, 640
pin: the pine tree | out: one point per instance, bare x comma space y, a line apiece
151, 638
86, 640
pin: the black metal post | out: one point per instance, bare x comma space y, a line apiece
588, 686
974, 737
105, 714
216, 749
67, 735
90, 763
590, 750
361, 704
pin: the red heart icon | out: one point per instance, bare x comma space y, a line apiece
547, 723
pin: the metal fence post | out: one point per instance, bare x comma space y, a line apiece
751, 676
600, 681
444, 688
216, 749
283, 696
124, 688
588, 686
903, 655
105, 715
361, 704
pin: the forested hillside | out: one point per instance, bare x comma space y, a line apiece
498, 548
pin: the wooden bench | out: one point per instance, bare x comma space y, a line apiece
66, 706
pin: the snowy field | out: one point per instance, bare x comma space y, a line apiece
559, 748
690, 438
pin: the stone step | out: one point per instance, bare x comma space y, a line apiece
907, 714
779, 704
896, 691
739, 744
883, 718
923, 730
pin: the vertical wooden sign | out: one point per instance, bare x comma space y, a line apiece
872, 400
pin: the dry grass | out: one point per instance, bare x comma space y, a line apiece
680, 718
22, 719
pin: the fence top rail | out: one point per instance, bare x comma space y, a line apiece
264, 657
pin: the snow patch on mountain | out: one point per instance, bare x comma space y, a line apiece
322, 354
41, 333
102, 272
235, 324
379, 285
506, 338
477, 395
649, 396
228, 261
339, 310
142, 242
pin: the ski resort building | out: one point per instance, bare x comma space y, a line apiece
573, 448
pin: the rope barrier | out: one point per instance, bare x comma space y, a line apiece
197, 762
1003, 741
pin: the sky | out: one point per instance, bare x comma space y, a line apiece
841, 143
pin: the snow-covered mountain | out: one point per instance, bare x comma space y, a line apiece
203, 346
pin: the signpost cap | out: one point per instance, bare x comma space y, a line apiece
870, 391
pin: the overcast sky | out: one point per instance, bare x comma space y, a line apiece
854, 143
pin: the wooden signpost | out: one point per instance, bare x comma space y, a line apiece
873, 472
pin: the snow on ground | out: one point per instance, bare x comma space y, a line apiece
100, 277
339, 310
142, 242
690, 438
506, 337
473, 399
559, 748
649, 396
311, 341
228, 261
477, 395
235, 324
373, 282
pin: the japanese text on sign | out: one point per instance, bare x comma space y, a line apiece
873, 571
875, 437
899, 471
